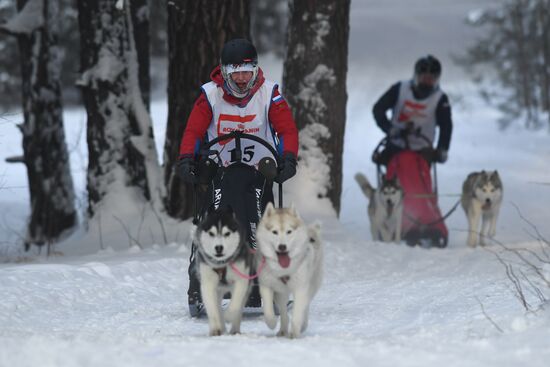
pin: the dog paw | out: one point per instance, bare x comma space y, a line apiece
235, 331
293, 335
271, 321
282, 333
472, 242
216, 332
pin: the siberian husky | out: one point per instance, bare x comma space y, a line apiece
223, 266
481, 198
290, 257
385, 208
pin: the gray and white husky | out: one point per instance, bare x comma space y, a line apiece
223, 266
290, 257
385, 208
481, 199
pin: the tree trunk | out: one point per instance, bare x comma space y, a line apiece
45, 151
121, 151
314, 77
197, 31
140, 21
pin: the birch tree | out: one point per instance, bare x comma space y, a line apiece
44, 149
314, 81
197, 31
121, 151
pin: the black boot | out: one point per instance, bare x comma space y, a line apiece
194, 292
254, 299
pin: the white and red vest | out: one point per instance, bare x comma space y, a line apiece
250, 119
420, 112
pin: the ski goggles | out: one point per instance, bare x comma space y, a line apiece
233, 68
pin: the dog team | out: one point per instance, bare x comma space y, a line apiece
288, 261
481, 198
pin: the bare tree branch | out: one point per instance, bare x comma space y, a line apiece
130, 237
488, 317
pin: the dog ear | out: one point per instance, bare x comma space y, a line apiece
230, 212
294, 212
269, 209
211, 209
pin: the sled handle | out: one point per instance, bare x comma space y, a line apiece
238, 135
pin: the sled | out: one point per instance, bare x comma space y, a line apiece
422, 222
209, 168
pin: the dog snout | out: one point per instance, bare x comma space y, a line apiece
487, 201
281, 248
219, 249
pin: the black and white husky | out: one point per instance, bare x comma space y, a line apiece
290, 256
481, 199
385, 208
224, 264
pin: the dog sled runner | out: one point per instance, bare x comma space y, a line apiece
423, 223
246, 199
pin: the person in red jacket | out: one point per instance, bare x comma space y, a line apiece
238, 97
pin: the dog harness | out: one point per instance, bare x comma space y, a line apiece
249, 277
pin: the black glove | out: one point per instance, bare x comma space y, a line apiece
434, 155
287, 168
186, 169
441, 155
403, 131
411, 129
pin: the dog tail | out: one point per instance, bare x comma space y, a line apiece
364, 184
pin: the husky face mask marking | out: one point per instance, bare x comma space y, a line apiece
487, 189
283, 232
390, 194
219, 237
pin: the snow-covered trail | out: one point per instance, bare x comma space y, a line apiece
381, 303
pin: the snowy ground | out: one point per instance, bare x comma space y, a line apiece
105, 302
380, 304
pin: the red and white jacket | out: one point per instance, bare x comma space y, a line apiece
264, 113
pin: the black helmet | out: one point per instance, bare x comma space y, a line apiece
239, 51
428, 64
239, 55
425, 84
